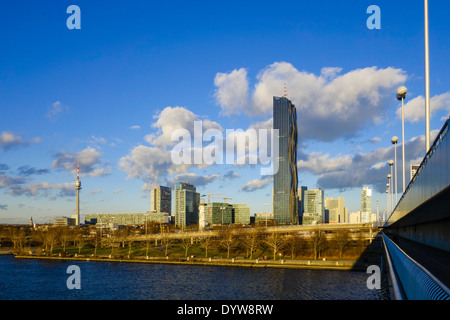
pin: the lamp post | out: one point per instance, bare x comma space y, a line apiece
427, 81
390, 190
401, 95
394, 142
387, 200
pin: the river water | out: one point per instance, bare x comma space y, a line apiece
35, 279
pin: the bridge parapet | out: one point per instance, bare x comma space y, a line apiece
411, 281
432, 178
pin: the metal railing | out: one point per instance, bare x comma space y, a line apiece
410, 280
430, 177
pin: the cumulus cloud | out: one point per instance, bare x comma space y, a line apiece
332, 105
256, 184
171, 119
355, 171
153, 162
89, 160
232, 91
414, 110
194, 179
9, 140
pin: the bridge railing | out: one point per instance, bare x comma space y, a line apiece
411, 281
430, 178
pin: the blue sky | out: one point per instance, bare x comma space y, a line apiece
110, 93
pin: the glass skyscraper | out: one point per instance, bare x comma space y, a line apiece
186, 204
285, 199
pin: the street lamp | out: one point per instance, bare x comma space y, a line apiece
401, 95
394, 142
427, 82
388, 202
390, 189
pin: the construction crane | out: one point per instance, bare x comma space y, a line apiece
224, 199
210, 194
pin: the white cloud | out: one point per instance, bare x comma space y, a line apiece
194, 179
414, 110
256, 184
232, 91
89, 159
329, 106
55, 111
9, 140
371, 168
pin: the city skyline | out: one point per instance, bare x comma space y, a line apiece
110, 94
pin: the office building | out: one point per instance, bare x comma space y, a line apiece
126, 219
161, 199
285, 199
313, 207
64, 222
301, 196
218, 213
413, 170
366, 204
241, 213
335, 212
355, 217
186, 204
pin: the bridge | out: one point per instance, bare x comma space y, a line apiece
417, 234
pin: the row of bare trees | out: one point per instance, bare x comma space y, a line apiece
245, 241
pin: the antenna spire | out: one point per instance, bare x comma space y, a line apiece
284, 95
78, 170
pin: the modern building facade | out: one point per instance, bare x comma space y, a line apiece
186, 204
335, 212
64, 222
125, 219
285, 199
301, 196
366, 204
161, 199
313, 207
220, 213
241, 213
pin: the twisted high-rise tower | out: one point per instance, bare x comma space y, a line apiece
285, 199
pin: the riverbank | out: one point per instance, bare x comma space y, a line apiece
341, 264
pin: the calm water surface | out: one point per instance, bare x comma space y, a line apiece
44, 279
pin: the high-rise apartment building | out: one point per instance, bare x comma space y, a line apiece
161, 199
186, 204
313, 207
335, 212
366, 204
285, 199
301, 196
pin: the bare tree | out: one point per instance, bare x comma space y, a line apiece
206, 242
251, 240
96, 240
227, 239
166, 242
294, 243
65, 236
318, 242
186, 243
341, 240
275, 241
